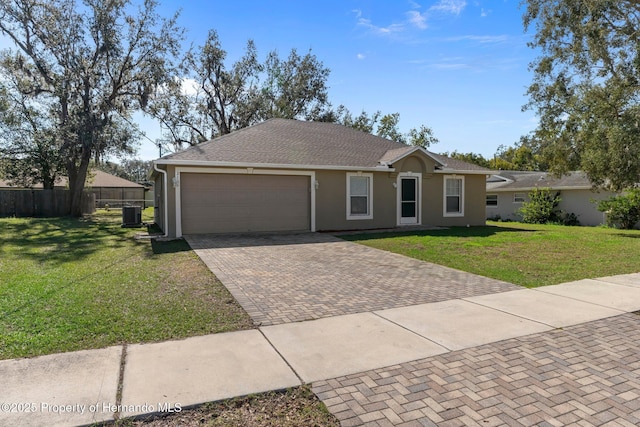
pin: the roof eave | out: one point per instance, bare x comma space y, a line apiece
505, 190
462, 172
379, 168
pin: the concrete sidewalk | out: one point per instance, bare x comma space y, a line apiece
81, 388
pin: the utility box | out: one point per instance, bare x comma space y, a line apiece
131, 216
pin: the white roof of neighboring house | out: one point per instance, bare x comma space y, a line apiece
528, 180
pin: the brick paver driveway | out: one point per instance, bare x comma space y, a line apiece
287, 278
584, 375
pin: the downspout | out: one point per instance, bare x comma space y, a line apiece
164, 200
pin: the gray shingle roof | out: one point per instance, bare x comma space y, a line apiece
455, 164
520, 180
60, 183
395, 153
293, 142
95, 178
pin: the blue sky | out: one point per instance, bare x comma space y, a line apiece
458, 66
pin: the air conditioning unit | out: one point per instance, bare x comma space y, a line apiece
131, 216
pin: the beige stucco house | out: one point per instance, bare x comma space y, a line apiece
508, 190
289, 175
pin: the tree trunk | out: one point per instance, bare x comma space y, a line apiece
48, 183
77, 176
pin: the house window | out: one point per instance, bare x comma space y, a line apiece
518, 198
492, 200
453, 196
359, 195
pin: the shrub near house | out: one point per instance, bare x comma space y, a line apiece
622, 211
542, 209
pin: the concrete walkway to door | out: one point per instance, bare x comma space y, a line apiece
294, 277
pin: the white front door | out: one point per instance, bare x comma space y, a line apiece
409, 200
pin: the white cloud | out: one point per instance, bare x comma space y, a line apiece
480, 39
413, 17
418, 61
450, 66
454, 7
189, 86
393, 28
484, 13
418, 19
451, 63
474, 63
360, 56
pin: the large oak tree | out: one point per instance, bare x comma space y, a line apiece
214, 97
586, 87
90, 64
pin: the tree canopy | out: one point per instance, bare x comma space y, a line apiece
385, 126
586, 87
87, 66
30, 150
134, 170
213, 98
520, 157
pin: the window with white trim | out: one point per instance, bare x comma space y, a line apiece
492, 200
453, 196
519, 198
359, 196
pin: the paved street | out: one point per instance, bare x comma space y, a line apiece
584, 375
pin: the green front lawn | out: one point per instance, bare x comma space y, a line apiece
528, 255
68, 284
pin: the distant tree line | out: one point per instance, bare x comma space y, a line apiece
134, 170
521, 157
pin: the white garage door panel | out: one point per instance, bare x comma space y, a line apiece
226, 203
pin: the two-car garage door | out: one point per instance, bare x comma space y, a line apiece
230, 203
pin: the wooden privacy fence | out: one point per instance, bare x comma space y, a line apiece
41, 203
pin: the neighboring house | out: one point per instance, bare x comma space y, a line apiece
508, 190
115, 191
60, 184
109, 189
289, 175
